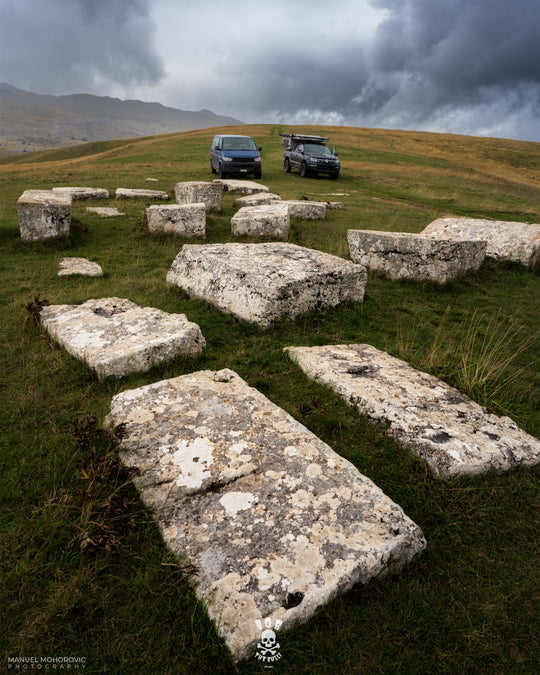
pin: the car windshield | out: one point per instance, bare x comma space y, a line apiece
317, 149
239, 144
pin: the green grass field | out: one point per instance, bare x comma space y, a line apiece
84, 572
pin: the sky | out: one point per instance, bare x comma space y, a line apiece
456, 66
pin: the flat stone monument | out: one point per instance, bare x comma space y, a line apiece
43, 214
79, 266
246, 187
261, 283
303, 208
452, 433
114, 336
198, 191
515, 242
105, 211
126, 193
185, 220
273, 521
257, 199
400, 255
83, 192
266, 220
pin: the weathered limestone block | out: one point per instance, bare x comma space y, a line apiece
105, 211
256, 199
43, 214
302, 208
246, 187
274, 522
335, 205
516, 242
453, 434
401, 255
265, 220
114, 336
198, 191
82, 266
124, 193
185, 220
83, 192
263, 282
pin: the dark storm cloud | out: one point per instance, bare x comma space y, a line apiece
65, 46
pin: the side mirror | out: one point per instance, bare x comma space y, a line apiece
334, 151
259, 149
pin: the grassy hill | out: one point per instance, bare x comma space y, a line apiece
84, 571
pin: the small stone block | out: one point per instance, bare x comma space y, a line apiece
266, 220
82, 266
83, 192
105, 211
43, 214
246, 187
400, 255
303, 208
257, 199
114, 336
263, 282
515, 242
440, 424
125, 193
194, 192
184, 220
273, 521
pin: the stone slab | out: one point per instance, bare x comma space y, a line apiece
126, 193
79, 266
43, 214
185, 220
515, 242
257, 199
264, 282
265, 220
452, 433
83, 192
246, 187
401, 255
114, 336
194, 192
105, 211
273, 521
303, 208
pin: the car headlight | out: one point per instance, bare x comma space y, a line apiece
312, 160
227, 159
257, 159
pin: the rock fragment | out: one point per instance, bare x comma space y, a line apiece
257, 199
79, 266
303, 208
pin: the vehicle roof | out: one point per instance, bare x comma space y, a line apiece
306, 137
231, 136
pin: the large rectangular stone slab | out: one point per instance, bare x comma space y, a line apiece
304, 208
43, 214
183, 220
261, 283
265, 220
114, 336
200, 192
452, 433
246, 187
273, 521
140, 193
401, 255
515, 242
83, 192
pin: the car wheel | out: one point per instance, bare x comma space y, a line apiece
304, 170
257, 174
212, 167
221, 172
286, 166
334, 176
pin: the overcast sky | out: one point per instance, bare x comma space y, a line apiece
459, 66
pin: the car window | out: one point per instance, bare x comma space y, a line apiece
239, 144
317, 149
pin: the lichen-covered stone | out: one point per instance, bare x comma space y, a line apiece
43, 214
273, 521
126, 193
200, 192
114, 336
453, 434
266, 220
185, 220
261, 283
303, 208
82, 266
257, 199
105, 211
83, 192
246, 187
515, 242
401, 255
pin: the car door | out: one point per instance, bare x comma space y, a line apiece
215, 152
297, 155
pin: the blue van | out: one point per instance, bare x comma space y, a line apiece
235, 154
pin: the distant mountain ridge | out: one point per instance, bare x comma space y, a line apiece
31, 121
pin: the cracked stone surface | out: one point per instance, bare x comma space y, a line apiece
196, 192
401, 255
105, 211
273, 521
246, 187
265, 220
452, 433
256, 199
83, 192
114, 336
303, 208
126, 193
82, 266
516, 242
43, 214
186, 220
261, 283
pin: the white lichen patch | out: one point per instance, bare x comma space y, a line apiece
233, 502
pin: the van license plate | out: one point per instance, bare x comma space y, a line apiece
243, 170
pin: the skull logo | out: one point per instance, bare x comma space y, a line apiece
268, 642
